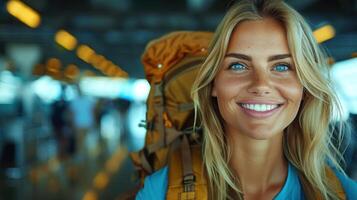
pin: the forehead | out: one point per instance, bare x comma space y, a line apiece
253, 36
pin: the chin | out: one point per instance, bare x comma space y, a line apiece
261, 134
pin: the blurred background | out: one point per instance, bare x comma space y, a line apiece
73, 90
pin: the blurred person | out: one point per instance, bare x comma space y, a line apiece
62, 125
123, 106
82, 112
266, 106
102, 109
99, 110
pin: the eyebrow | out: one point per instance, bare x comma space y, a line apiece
248, 58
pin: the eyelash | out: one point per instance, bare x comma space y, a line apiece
233, 64
287, 65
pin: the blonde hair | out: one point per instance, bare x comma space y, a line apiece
308, 139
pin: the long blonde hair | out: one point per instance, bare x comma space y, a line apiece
308, 139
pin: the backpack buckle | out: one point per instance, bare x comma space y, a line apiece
189, 179
188, 183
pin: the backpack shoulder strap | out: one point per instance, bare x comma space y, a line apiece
175, 189
336, 183
332, 178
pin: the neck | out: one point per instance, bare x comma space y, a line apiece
259, 164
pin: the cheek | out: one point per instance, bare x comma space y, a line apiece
226, 106
293, 92
226, 90
225, 98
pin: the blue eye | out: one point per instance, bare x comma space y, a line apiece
237, 67
281, 67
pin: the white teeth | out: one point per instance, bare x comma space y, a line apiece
259, 107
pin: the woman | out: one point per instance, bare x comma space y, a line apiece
266, 106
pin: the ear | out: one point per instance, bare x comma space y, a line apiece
214, 92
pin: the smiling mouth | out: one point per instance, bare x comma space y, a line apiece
260, 107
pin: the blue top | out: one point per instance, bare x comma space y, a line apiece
155, 186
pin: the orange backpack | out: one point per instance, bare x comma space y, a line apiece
171, 64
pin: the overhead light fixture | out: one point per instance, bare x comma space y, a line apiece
324, 33
121, 73
66, 40
24, 13
53, 65
71, 71
96, 59
103, 65
84, 52
99, 62
88, 73
112, 71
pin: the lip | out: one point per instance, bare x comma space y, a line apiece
265, 114
268, 102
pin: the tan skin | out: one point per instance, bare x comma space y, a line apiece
258, 69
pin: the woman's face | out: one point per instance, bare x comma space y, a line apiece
257, 89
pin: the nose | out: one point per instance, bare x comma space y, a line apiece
260, 83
